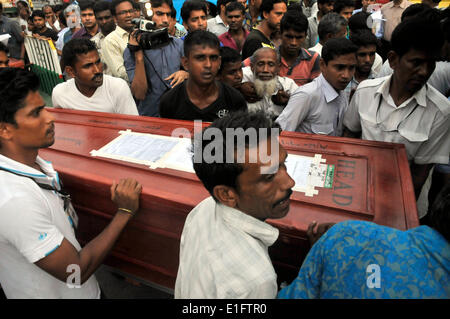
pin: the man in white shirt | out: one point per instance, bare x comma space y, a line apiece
225, 240
273, 90
402, 108
40, 255
89, 89
318, 107
219, 24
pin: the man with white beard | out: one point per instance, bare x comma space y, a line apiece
273, 90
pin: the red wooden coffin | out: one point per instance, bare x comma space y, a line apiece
372, 182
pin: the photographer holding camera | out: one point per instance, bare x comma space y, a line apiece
153, 59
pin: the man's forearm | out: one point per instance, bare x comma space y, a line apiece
139, 85
419, 174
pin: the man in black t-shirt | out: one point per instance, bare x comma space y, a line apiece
40, 29
272, 11
201, 97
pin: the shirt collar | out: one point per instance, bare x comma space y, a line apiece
420, 96
248, 224
219, 20
121, 31
328, 91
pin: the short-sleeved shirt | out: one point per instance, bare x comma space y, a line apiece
305, 68
33, 224
159, 64
356, 259
50, 33
315, 108
175, 104
255, 40
227, 40
113, 96
421, 123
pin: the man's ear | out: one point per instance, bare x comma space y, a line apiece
322, 65
5, 131
393, 59
70, 71
184, 63
226, 195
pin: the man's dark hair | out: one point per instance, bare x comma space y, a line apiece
173, 13
200, 37
62, 17
440, 212
213, 174
419, 34
38, 13
233, 6
363, 38
4, 48
86, 4
115, 3
339, 5
222, 3
212, 8
267, 5
336, 47
75, 47
358, 21
325, 1
294, 20
57, 7
331, 23
101, 6
228, 55
192, 5
48, 6
414, 9
24, 3
15, 84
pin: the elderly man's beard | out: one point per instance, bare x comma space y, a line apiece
265, 88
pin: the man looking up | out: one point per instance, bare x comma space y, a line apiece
403, 108
201, 97
88, 89
365, 57
271, 11
236, 35
331, 26
219, 24
230, 71
225, 240
116, 42
37, 221
318, 107
90, 26
106, 24
297, 63
193, 14
312, 36
152, 72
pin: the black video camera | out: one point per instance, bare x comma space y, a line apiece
150, 37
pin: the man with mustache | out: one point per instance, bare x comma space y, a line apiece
225, 240
273, 90
366, 42
89, 89
41, 257
402, 107
318, 107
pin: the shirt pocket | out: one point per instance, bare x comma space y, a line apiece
324, 129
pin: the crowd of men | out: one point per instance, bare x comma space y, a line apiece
318, 67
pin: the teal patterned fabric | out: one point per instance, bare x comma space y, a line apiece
356, 259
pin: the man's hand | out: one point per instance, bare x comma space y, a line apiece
133, 39
177, 77
314, 234
281, 98
248, 91
126, 194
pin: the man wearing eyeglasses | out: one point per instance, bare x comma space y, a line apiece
116, 42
